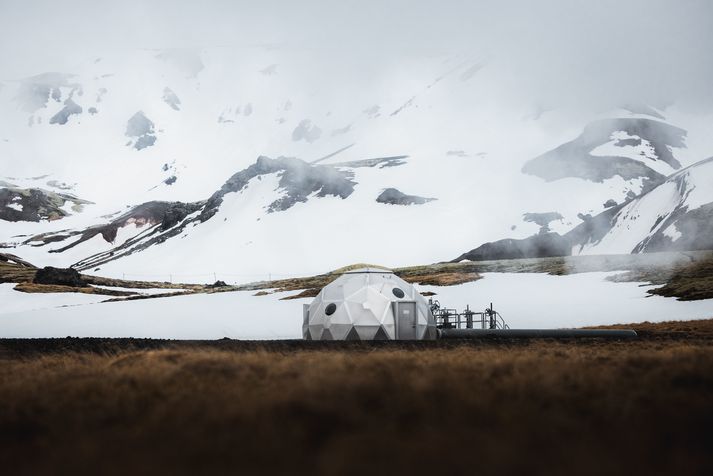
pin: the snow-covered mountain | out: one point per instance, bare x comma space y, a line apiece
640, 151
676, 215
242, 162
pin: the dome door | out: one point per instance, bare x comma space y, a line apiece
405, 312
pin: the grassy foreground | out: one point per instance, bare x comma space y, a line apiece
230, 407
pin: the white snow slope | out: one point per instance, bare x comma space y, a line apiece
240, 315
657, 217
465, 140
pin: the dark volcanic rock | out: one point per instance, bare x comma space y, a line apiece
392, 196
175, 213
141, 129
70, 108
695, 228
35, 204
16, 260
542, 245
610, 203
593, 228
574, 158
59, 276
165, 214
298, 180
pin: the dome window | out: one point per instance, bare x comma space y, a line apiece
398, 293
331, 307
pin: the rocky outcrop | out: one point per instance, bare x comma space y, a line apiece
575, 158
36, 204
392, 196
542, 245
59, 276
141, 131
70, 108
164, 214
298, 180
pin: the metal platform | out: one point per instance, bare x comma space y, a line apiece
469, 324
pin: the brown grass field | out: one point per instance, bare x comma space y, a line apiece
122, 406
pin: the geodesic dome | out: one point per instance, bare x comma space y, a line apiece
368, 304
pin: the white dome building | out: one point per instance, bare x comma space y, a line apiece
368, 304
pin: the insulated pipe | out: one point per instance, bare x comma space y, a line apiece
533, 333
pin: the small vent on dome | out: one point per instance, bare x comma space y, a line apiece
331, 307
398, 293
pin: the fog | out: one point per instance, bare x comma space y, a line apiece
564, 54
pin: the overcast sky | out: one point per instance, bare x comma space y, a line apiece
655, 51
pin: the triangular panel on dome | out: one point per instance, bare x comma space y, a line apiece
381, 334
315, 331
361, 316
326, 335
378, 304
306, 334
333, 292
357, 296
353, 283
339, 331
390, 330
367, 332
341, 315
352, 335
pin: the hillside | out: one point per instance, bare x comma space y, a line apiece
148, 164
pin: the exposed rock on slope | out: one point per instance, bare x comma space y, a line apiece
676, 215
298, 180
59, 276
161, 215
157, 222
631, 148
141, 130
542, 245
392, 196
35, 204
70, 108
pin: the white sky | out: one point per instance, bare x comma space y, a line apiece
571, 52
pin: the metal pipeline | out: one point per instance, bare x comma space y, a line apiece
535, 333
